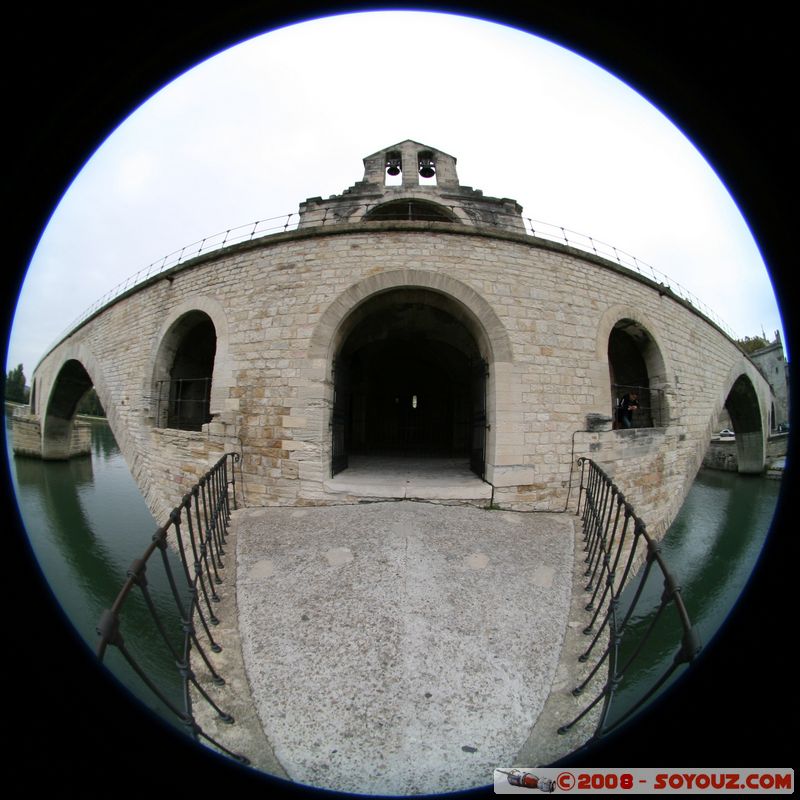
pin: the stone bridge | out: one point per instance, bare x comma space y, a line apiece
409, 317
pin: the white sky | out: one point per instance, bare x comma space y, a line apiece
254, 131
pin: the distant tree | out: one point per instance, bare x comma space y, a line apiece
752, 343
16, 391
90, 404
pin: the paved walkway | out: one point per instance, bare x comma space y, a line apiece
400, 647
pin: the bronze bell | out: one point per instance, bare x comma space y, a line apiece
393, 166
426, 168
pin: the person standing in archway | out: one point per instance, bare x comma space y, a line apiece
627, 405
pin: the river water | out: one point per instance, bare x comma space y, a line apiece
87, 522
711, 549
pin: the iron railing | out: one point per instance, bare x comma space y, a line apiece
651, 411
290, 221
183, 403
615, 541
199, 525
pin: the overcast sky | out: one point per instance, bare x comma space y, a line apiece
254, 131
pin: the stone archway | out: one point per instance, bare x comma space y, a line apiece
745, 412
636, 364
455, 298
408, 380
208, 360
69, 386
410, 209
184, 367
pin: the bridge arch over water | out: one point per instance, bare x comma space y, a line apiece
750, 417
74, 372
71, 384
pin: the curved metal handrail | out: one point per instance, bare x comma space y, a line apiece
199, 524
613, 534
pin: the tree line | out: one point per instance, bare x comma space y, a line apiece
16, 391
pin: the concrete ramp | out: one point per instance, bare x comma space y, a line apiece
400, 647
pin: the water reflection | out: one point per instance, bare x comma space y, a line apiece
87, 522
711, 550
77, 563
715, 542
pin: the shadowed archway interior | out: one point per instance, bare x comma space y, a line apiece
743, 407
72, 383
405, 379
636, 365
184, 371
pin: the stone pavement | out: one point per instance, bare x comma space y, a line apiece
400, 478
400, 647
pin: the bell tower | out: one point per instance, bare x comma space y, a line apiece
411, 165
413, 182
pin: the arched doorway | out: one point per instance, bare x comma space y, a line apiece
409, 380
183, 373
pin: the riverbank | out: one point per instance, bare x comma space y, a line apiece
722, 455
26, 433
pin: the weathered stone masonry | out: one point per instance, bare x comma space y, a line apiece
539, 313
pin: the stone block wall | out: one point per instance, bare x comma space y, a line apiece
544, 314
721, 455
26, 435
